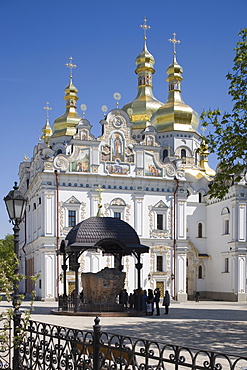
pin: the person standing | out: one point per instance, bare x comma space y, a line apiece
157, 301
166, 302
151, 299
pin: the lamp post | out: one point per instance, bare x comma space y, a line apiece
16, 203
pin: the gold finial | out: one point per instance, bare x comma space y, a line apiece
145, 28
174, 41
26, 158
47, 108
71, 66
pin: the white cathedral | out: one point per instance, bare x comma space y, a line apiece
144, 169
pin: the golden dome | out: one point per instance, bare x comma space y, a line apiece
66, 124
47, 131
175, 115
141, 109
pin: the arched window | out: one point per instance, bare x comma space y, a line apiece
165, 154
183, 155
200, 230
200, 272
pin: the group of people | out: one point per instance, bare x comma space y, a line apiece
148, 301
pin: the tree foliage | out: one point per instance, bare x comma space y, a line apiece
8, 261
229, 136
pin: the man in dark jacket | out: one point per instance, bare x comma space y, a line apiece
157, 301
166, 302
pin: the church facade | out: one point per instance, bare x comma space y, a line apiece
146, 170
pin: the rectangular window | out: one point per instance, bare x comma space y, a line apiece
226, 264
159, 262
117, 215
159, 222
72, 261
72, 218
226, 226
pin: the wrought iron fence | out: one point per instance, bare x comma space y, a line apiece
5, 347
47, 346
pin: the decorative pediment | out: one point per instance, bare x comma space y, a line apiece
118, 202
160, 204
72, 200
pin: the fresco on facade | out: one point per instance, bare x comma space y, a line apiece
82, 164
150, 168
105, 153
129, 156
117, 168
117, 147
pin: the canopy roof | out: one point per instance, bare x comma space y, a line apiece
109, 234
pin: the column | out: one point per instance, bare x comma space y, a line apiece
138, 216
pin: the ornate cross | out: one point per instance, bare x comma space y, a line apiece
71, 66
47, 108
174, 41
145, 28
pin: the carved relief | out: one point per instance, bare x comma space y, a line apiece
61, 163
151, 221
48, 166
83, 210
107, 211
127, 214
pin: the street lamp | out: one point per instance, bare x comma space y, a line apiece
16, 204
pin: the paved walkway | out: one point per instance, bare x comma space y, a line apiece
216, 326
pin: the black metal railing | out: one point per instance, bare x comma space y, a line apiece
6, 347
68, 303
47, 346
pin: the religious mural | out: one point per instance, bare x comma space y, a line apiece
117, 168
82, 164
129, 155
150, 167
117, 147
105, 153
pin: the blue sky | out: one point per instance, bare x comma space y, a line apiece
104, 38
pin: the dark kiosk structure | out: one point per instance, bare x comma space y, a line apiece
111, 235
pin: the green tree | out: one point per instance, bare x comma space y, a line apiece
229, 136
8, 262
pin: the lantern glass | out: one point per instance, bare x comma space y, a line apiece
15, 204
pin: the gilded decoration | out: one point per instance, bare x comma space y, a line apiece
95, 169
118, 202
83, 210
48, 166
127, 213
107, 210
61, 218
139, 172
127, 269
151, 221
82, 263
108, 261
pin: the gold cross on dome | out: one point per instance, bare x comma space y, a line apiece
145, 28
71, 66
47, 108
174, 41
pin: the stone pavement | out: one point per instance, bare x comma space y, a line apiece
209, 325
